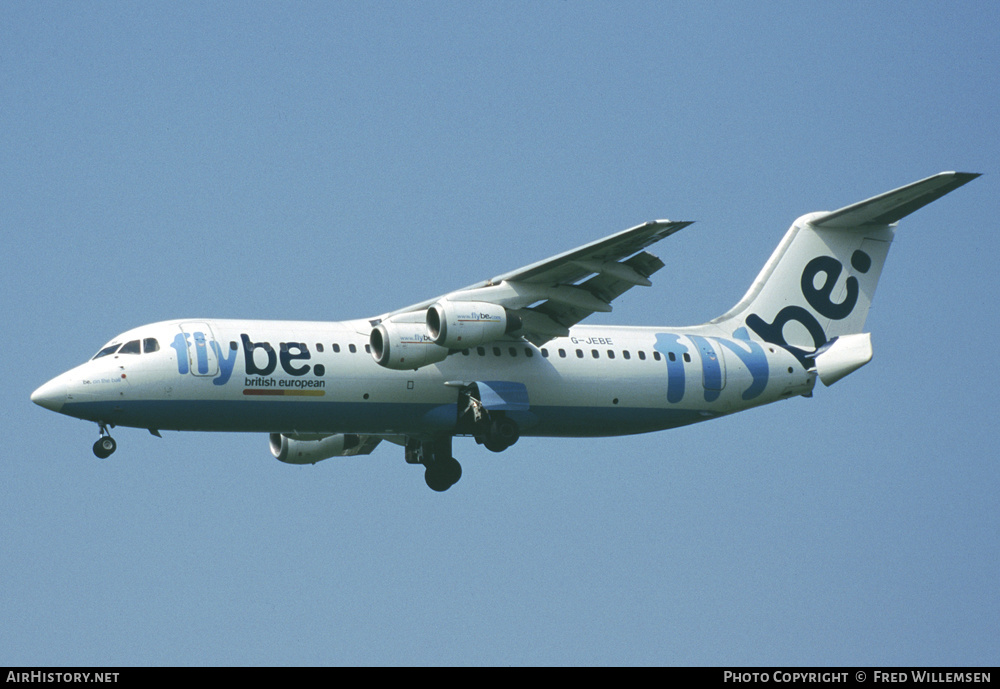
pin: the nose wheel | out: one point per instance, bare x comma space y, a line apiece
105, 445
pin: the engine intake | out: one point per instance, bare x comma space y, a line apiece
403, 346
464, 324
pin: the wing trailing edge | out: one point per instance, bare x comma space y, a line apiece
552, 295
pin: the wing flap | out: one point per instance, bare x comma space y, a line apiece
607, 285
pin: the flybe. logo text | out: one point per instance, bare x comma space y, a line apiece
203, 356
819, 298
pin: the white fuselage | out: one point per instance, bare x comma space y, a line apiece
317, 378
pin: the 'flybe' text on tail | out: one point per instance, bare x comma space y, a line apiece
819, 283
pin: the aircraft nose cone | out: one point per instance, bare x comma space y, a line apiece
52, 395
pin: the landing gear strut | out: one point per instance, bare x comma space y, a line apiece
105, 445
492, 429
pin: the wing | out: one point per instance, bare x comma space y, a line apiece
550, 296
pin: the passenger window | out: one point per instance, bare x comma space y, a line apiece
368, 348
130, 347
687, 358
594, 353
642, 355
319, 346
496, 351
611, 354
481, 351
352, 349
579, 354
465, 352
110, 349
656, 355
626, 354
528, 353
545, 353
336, 348
150, 345
513, 352
671, 356
562, 353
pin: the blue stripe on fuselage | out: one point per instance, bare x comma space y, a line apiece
373, 417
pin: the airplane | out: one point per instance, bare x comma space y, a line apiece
507, 357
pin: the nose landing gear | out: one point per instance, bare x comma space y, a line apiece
105, 445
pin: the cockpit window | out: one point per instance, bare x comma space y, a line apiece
130, 347
150, 345
110, 349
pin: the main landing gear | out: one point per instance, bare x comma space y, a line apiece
441, 470
105, 445
492, 429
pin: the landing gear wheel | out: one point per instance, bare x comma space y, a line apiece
443, 474
502, 434
494, 445
105, 446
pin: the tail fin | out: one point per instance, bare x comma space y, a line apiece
820, 281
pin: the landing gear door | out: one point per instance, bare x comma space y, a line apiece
203, 359
481, 401
502, 395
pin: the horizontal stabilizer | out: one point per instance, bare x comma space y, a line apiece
843, 355
891, 206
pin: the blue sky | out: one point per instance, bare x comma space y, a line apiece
337, 160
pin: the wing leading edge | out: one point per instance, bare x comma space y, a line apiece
552, 295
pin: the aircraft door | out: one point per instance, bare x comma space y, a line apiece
202, 357
713, 366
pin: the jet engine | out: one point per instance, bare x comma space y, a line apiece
315, 448
403, 346
464, 324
